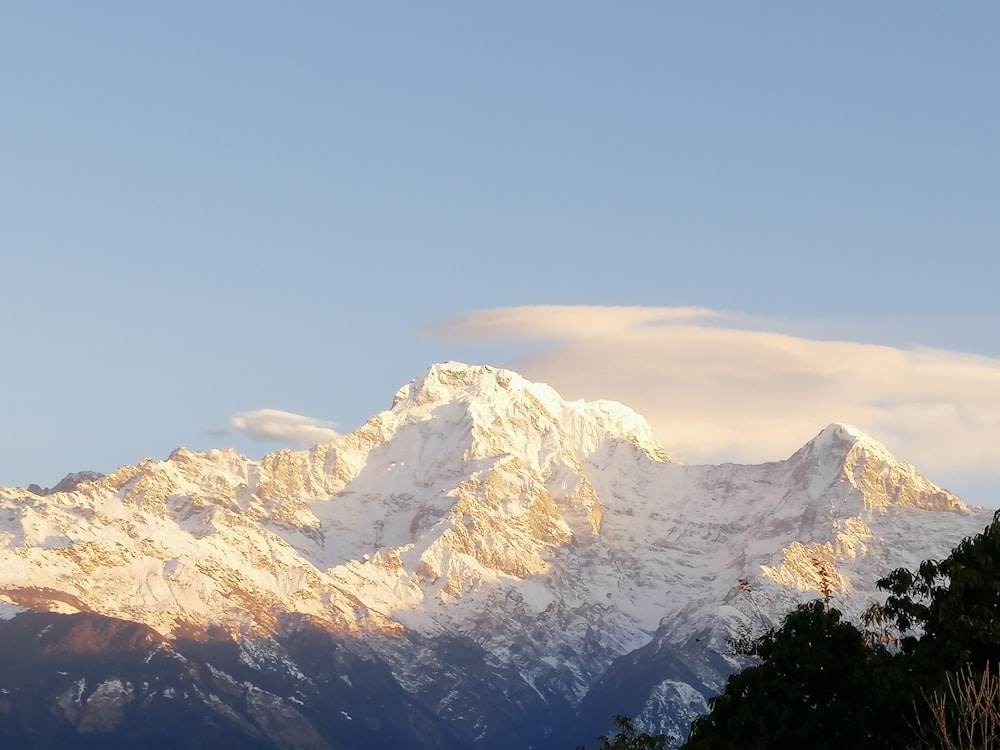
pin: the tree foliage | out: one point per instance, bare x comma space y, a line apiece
823, 683
629, 738
812, 688
946, 614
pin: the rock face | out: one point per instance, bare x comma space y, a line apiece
493, 564
68, 483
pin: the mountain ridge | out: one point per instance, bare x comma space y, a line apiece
483, 515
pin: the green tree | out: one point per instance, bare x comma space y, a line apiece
814, 687
823, 683
629, 738
944, 619
945, 616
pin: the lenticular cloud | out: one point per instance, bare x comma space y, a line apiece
283, 426
724, 387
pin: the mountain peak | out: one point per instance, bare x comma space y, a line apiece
841, 432
868, 465
524, 544
835, 441
505, 408
67, 484
444, 381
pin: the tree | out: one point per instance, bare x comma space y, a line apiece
629, 738
945, 614
922, 676
813, 688
945, 621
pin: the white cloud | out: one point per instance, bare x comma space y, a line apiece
283, 426
560, 322
721, 387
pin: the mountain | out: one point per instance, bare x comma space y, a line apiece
483, 565
67, 483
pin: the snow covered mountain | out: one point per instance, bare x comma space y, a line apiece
483, 565
67, 483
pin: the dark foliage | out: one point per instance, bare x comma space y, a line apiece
629, 738
813, 688
823, 683
946, 615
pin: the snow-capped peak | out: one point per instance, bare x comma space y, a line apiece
841, 451
839, 435
504, 408
555, 533
68, 483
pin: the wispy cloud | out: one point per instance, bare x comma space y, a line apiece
723, 387
273, 425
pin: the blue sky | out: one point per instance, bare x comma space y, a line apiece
210, 209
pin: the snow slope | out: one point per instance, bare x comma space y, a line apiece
557, 536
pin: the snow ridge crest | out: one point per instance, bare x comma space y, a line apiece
479, 503
502, 404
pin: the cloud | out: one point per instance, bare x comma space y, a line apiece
559, 322
719, 386
273, 425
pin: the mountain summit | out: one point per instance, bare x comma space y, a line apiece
512, 568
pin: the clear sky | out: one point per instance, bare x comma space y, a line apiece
744, 220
